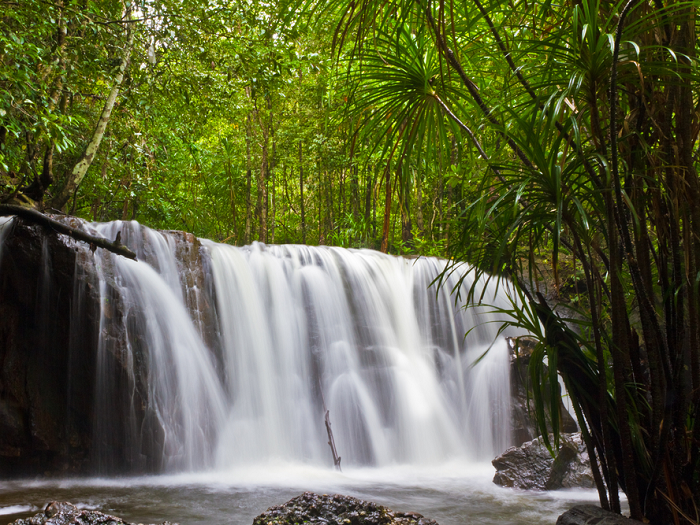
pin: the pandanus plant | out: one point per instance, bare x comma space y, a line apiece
587, 116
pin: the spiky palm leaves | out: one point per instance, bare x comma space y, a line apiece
588, 116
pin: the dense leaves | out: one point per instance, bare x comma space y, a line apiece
231, 121
587, 118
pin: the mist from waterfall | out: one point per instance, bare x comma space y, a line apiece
297, 329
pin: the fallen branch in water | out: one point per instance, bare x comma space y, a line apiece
331, 441
28, 214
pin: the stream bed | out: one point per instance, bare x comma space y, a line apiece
455, 494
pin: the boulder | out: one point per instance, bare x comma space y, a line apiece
336, 510
531, 466
64, 513
590, 514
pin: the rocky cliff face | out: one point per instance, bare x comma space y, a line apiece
46, 361
50, 309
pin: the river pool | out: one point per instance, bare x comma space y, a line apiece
452, 495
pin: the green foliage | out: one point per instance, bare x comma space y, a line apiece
221, 111
587, 119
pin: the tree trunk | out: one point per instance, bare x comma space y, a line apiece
301, 196
233, 232
274, 206
81, 167
263, 174
419, 206
271, 172
31, 215
368, 201
387, 210
249, 176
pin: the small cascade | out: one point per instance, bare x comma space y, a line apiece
159, 401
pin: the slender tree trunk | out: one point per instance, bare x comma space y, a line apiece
81, 167
232, 203
249, 176
368, 201
329, 208
274, 207
374, 205
301, 195
263, 175
419, 206
355, 183
319, 203
406, 225
387, 210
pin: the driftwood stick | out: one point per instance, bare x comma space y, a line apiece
31, 215
331, 441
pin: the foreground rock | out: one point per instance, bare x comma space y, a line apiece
64, 513
590, 514
531, 466
336, 510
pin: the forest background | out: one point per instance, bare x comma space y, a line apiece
230, 122
521, 136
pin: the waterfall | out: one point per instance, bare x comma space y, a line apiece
366, 333
209, 356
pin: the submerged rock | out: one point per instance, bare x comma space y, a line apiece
531, 466
64, 513
588, 514
336, 510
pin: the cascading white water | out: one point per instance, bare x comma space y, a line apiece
299, 327
151, 334
364, 331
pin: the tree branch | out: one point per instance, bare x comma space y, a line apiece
28, 214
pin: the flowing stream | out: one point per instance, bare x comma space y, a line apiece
216, 365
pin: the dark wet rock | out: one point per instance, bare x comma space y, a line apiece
592, 515
336, 510
38, 348
196, 278
50, 307
64, 513
522, 400
531, 466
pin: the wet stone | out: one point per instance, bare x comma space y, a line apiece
592, 515
64, 513
336, 510
531, 466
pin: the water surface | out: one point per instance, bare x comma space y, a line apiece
456, 494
